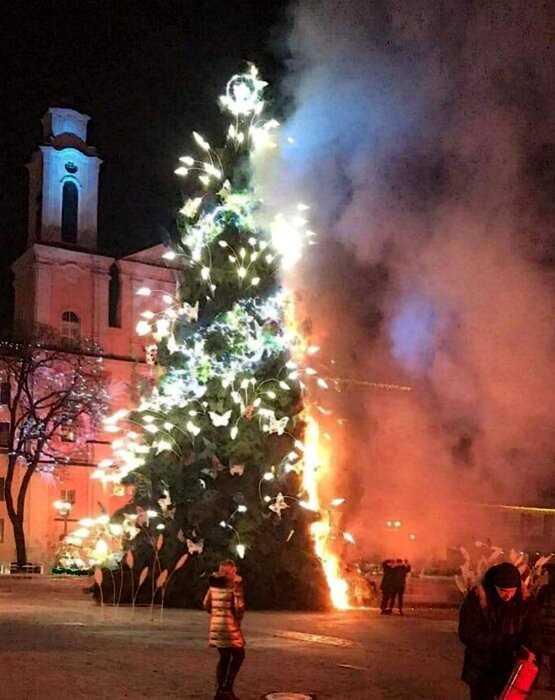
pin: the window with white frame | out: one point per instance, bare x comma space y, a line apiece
71, 327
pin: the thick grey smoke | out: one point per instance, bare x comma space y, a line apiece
423, 138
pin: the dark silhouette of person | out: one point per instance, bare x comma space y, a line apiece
388, 586
400, 572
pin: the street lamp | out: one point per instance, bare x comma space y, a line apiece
64, 509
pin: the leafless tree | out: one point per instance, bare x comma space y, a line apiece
48, 394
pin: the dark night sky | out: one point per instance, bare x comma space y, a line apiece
147, 73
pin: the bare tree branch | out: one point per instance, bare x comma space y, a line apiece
49, 389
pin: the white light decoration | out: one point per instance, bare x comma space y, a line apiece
223, 249
143, 328
101, 550
243, 94
201, 142
190, 207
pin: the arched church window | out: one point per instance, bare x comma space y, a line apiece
114, 298
70, 206
71, 328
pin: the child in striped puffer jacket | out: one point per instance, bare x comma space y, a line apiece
225, 603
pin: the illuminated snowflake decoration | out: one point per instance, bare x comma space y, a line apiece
243, 94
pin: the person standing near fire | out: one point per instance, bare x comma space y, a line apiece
496, 627
225, 602
387, 586
400, 572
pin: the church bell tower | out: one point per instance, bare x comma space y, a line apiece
63, 183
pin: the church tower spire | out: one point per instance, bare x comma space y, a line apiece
63, 183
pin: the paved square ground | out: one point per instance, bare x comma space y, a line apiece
54, 642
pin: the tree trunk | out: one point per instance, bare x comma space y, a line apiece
19, 536
18, 520
15, 518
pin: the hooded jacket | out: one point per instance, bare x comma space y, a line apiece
492, 632
225, 603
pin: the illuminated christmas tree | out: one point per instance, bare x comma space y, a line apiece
216, 462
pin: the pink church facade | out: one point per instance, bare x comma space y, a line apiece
63, 283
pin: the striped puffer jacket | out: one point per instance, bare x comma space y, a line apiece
225, 603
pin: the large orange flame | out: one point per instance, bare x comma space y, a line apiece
316, 466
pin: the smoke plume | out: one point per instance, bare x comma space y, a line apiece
421, 135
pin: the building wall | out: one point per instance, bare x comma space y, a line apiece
42, 523
53, 277
50, 280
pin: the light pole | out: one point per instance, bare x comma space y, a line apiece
64, 509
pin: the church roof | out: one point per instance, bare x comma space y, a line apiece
151, 255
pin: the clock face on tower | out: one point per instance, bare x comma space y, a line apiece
71, 167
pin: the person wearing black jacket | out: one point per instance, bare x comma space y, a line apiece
388, 586
545, 602
400, 573
494, 625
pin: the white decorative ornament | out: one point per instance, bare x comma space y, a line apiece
162, 328
165, 502
243, 94
190, 312
277, 426
195, 547
279, 504
190, 207
151, 354
220, 420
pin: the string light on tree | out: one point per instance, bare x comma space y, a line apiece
224, 421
